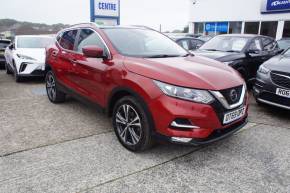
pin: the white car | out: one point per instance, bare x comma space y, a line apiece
25, 57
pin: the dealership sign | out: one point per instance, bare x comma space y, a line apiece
216, 27
105, 12
270, 6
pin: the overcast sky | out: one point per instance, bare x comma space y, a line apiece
172, 14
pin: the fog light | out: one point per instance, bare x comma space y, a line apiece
181, 139
183, 124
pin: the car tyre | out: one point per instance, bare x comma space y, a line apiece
17, 77
132, 125
54, 94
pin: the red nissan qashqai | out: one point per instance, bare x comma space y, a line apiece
150, 86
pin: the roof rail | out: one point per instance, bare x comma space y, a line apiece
87, 23
143, 26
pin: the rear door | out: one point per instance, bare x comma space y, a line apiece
66, 44
90, 72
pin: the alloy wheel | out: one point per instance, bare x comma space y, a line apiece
128, 124
50, 87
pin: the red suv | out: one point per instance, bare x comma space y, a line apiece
150, 86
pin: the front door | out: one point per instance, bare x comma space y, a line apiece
90, 73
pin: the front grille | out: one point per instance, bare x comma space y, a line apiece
281, 79
227, 94
275, 98
220, 110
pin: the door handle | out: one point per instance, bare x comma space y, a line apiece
74, 62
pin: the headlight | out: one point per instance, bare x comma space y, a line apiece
195, 95
263, 70
24, 57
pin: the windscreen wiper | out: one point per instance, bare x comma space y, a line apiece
189, 54
212, 50
163, 56
232, 51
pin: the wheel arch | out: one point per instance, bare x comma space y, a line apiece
121, 92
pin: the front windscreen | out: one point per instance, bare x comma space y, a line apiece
225, 44
143, 43
34, 42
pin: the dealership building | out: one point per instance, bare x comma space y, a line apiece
265, 17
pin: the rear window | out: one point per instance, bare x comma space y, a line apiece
34, 42
67, 39
4, 44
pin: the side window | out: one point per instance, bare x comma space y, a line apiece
89, 37
184, 44
196, 44
67, 39
256, 45
268, 44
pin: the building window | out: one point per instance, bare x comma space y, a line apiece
235, 28
198, 28
286, 31
252, 27
269, 28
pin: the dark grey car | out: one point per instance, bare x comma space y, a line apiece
272, 84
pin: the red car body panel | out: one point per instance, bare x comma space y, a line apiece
96, 79
191, 72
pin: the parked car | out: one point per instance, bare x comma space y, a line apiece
3, 44
206, 37
193, 35
245, 53
189, 43
25, 57
284, 43
272, 86
152, 88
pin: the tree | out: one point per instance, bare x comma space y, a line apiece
185, 29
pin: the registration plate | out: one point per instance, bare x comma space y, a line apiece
283, 92
234, 115
1, 53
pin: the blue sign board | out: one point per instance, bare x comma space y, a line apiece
210, 27
269, 6
216, 27
105, 12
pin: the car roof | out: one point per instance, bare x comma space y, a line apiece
243, 35
5, 40
187, 38
91, 24
51, 35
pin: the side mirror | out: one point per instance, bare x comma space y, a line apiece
252, 51
11, 46
93, 52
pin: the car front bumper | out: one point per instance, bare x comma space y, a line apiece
206, 118
30, 69
2, 60
264, 91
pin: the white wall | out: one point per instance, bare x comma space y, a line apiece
231, 10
